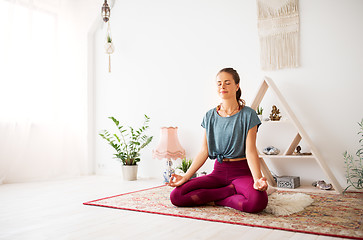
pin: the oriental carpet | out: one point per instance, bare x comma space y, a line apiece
329, 214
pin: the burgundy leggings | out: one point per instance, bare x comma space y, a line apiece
230, 184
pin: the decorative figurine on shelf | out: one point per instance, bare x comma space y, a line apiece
274, 116
271, 150
298, 152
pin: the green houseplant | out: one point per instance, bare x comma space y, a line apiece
259, 112
354, 167
185, 165
128, 142
109, 39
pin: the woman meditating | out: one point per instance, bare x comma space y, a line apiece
230, 138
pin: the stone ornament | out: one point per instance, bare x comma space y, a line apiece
271, 150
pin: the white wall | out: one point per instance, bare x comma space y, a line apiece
167, 55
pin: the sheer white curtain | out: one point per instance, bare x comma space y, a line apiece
42, 108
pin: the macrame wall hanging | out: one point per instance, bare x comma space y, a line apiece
278, 30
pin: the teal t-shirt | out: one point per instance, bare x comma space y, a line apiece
226, 136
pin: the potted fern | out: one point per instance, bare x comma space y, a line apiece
128, 143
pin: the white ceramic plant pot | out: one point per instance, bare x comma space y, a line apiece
129, 172
260, 117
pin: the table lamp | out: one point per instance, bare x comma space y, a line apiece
169, 148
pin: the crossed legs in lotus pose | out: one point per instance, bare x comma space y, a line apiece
230, 188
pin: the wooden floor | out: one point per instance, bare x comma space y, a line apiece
54, 210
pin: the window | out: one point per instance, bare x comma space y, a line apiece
28, 82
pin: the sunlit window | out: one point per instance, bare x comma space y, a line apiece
28, 76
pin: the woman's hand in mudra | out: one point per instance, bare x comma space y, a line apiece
260, 184
176, 180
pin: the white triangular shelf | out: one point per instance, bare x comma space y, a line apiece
266, 84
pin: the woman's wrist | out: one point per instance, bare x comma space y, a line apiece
188, 175
257, 179
260, 180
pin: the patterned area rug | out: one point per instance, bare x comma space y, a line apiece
330, 214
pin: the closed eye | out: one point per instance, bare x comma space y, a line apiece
227, 82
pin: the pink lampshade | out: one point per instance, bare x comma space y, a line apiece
169, 146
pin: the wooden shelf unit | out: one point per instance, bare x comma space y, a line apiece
301, 134
280, 156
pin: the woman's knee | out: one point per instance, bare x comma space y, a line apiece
175, 197
256, 203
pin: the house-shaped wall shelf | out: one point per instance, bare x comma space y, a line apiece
301, 134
